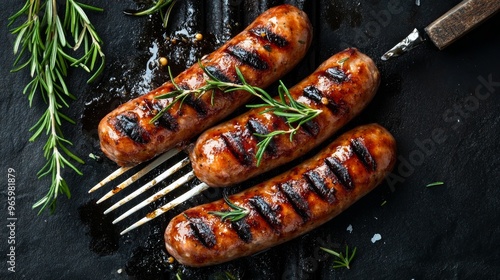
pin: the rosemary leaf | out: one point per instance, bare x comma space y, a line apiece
434, 184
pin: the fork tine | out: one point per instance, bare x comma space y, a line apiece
194, 191
179, 182
164, 157
174, 168
110, 177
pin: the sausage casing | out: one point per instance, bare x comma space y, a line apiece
341, 87
287, 205
267, 49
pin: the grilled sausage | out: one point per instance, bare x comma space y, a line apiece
287, 205
267, 49
341, 87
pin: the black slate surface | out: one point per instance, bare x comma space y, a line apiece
442, 107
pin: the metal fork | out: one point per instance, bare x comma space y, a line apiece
151, 166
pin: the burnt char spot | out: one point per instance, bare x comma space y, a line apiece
318, 185
128, 124
340, 171
316, 95
202, 232
311, 127
166, 120
235, 146
272, 37
362, 152
336, 74
299, 204
313, 93
243, 230
219, 75
197, 105
257, 128
265, 210
250, 58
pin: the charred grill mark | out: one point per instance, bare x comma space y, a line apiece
128, 124
299, 204
235, 146
166, 120
318, 185
313, 93
336, 74
317, 96
169, 122
247, 57
311, 127
202, 232
270, 36
265, 210
243, 230
257, 128
197, 105
218, 74
340, 172
362, 152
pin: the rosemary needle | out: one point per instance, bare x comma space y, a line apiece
434, 184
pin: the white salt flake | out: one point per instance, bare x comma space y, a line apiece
349, 228
376, 237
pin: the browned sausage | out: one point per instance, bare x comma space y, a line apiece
341, 87
287, 205
267, 49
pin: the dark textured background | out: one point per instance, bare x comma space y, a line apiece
446, 232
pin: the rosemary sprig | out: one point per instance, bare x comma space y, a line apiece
180, 94
237, 213
295, 113
157, 7
43, 43
343, 261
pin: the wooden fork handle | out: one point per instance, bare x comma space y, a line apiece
459, 20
